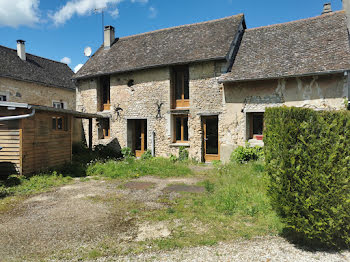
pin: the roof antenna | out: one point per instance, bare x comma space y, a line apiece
102, 18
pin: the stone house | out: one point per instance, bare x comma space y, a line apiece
26, 78
205, 86
30, 79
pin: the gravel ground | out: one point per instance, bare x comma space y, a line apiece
81, 214
266, 249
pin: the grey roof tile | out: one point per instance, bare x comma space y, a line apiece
309, 46
178, 45
35, 69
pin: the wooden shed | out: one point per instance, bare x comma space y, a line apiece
35, 138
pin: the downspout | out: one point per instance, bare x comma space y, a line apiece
8, 118
347, 74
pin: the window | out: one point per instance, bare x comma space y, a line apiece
3, 98
105, 95
58, 104
104, 128
181, 129
256, 125
181, 91
59, 123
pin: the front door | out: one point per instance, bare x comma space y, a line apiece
211, 138
140, 138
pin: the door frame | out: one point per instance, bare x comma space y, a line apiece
139, 153
209, 157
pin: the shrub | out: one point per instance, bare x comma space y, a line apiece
245, 154
173, 158
183, 153
126, 152
146, 155
308, 163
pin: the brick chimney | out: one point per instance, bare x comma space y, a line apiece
327, 8
109, 36
21, 49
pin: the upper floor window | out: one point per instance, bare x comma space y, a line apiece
181, 90
59, 104
3, 98
105, 93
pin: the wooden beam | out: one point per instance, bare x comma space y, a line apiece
90, 133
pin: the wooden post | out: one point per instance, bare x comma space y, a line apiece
90, 133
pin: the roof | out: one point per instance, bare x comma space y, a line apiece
76, 114
209, 40
35, 69
310, 46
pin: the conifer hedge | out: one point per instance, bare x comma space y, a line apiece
308, 161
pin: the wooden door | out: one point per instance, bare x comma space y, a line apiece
211, 138
140, 139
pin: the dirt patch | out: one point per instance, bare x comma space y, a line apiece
149, 231
184, 188
139, 185
82, 214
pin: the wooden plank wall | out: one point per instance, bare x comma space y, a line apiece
10, 155
44, 147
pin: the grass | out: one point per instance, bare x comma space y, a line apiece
234, 206
133, 168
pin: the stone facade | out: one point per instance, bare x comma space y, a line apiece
33, 93
231, 102
327, 92
152, 87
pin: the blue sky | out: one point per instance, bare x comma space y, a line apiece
58, 29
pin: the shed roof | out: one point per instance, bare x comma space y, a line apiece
310, 46
35, 69
209, 40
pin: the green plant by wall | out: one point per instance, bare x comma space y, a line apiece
183, 153
308, 162
126, 152
146, 155
245, 154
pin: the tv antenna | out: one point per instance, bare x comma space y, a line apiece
87, 51
97, 10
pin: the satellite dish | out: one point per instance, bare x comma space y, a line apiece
87, 51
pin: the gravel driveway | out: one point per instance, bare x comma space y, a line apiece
76, 216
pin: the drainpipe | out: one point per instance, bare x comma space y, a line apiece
347, 74
8, 118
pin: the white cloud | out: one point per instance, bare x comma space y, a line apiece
115, 13
139, 1
152, 12
77, 68
80, 7
66, 60
14, 13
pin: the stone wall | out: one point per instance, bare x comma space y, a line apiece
152, 87
319, 92
32, 93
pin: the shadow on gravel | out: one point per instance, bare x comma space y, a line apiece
311, 245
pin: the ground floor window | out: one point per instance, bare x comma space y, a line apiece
3, 98
181, 128
104, 128
59, 123
256, 125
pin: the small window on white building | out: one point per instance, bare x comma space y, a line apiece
256, 126
59, 104
3, 98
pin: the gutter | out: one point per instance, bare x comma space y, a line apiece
223, 81
9, 118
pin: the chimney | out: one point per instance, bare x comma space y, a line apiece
346, 7
21, 49
327, 8
109, 36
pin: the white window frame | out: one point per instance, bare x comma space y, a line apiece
62, 103
5, 95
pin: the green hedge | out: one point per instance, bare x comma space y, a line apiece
308, 161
